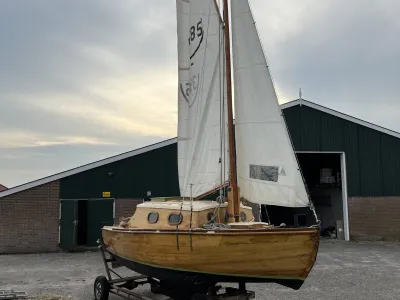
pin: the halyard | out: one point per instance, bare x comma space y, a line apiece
344, 270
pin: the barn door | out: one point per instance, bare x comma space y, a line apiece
68, 224
100, 213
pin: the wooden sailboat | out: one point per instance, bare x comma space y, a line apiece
203, 242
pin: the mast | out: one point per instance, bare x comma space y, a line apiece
233, 194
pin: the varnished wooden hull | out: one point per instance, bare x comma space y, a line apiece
284, 256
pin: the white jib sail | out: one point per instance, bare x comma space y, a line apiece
268, 172
200, 45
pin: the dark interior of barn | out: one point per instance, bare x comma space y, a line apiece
322, 174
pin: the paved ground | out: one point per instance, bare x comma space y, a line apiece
343, 271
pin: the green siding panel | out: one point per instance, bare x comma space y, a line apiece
331, 133
292, 119
370, 162
311, 129
350, 147
372, 157
68, 225
154, 171
390, 148
99, 214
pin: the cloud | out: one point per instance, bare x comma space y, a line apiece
83, 80
27, 163
342, 54
80, 79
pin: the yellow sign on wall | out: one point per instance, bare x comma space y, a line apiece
106, 194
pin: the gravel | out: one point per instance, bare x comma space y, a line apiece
344, 270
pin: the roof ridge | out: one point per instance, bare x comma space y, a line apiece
86, 167
171, 141
340, 114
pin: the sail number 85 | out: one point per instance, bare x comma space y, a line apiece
196, 29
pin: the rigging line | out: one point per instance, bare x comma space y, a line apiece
311, 205
219, 210
220, 107
177, 231
212, 225
266, 212
191, 214
209, 223
223, 104
221, 111
200, 88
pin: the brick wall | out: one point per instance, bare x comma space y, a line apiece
29, 220
374, 218
125, 208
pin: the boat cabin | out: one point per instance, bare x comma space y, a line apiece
172, 213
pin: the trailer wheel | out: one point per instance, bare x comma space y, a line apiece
101, 288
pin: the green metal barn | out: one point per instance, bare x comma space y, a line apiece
350, 167
367, 158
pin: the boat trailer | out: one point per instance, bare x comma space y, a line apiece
124, 286
11, 294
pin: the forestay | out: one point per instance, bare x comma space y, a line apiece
268, 172
199, 100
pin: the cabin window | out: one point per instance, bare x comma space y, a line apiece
243, 216
152, 217
175, 219
210, 216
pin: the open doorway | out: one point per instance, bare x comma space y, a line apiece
322, 173
81, 221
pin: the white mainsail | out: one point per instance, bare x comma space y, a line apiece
268, 172
201, 154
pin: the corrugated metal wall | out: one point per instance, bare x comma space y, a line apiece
154, 171
372, 157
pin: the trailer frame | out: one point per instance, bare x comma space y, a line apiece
123, 286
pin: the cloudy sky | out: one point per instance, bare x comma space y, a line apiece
84, 80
